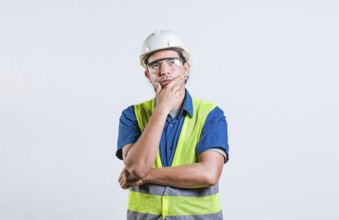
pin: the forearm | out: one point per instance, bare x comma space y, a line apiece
187, 176
140, 156
204, 173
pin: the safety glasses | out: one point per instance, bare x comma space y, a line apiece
172, 64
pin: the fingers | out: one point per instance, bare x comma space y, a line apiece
169, 96
126, 180
122, 174
178, 80
123, 178
176, 83
157, 87
125, 184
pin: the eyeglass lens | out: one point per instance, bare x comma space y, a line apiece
171, 63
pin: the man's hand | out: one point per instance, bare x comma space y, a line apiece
126, 180
171, 95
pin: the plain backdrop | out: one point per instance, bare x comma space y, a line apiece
68, 68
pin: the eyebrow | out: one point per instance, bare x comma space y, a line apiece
165, 58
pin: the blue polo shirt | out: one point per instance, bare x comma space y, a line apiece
213, 135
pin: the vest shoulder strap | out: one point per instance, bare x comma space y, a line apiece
143, 112
191, 132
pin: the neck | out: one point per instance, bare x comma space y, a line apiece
179, 106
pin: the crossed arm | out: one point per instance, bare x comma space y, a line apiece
204, 173
138, 158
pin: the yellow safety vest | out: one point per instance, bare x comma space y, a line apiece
150, 201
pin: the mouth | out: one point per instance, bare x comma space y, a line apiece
165, 82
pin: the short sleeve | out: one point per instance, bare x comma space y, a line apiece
214, 133
129, 131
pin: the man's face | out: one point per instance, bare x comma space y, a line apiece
163, 66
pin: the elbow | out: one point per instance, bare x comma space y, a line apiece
212, 179
137, 171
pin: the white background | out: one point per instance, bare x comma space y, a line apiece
68, 69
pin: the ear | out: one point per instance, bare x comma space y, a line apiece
187, 68
147, 75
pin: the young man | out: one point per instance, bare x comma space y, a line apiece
173, 146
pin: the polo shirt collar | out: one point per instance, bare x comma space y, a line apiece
188, 105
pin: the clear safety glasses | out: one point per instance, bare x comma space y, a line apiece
172, 64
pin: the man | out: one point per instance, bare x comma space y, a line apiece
173, 146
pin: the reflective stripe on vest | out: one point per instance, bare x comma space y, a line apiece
143, 216
172, 191
171, 202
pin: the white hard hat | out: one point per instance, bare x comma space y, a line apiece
161, 40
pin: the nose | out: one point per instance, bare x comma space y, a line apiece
164, 69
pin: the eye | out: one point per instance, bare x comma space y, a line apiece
173, 62
155, 66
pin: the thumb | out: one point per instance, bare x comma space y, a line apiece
157, 87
